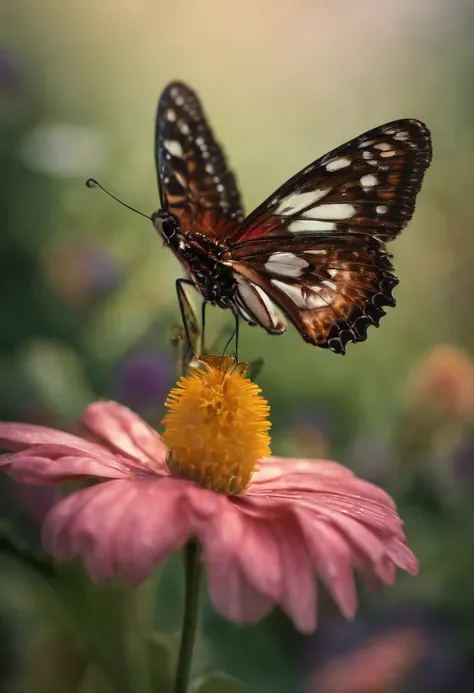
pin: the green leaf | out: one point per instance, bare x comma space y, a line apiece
218, 683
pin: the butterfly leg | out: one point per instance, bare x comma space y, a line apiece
235, 333
237, 323
203, 326
181, 301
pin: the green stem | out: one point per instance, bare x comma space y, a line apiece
191, 613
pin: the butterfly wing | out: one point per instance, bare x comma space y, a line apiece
195, 182
368, 185
316, 247
332, 289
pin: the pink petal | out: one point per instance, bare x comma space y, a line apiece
376, 546
120, 527
126, 433
247, 555
85, 523
153, 528
333, 559
20, 436
51, 464
235, 597
370, 547
314, 476
260, 557
233, 594
402, 556
204, 505
272, 470
378, 517
299, 593
221, 533
228, 552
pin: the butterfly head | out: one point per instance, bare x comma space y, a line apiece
167, 226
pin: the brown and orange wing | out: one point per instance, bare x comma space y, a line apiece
316, 247
332, 290
195, 182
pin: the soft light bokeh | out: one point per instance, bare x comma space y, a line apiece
87, 295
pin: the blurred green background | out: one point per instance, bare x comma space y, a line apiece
87, 302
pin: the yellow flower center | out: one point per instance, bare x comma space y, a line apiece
216, 427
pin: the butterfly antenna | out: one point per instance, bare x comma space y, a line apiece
92, 183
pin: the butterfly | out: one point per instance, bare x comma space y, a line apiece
314, 251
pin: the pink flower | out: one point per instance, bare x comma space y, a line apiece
291, 519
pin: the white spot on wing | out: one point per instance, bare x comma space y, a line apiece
383, 146
173, 147
332, 272
313, 300
171, 115
286, 264
367, 155
183, 127
298, 201
309, 301
369, 180
381, 209
258, 304
385, 155
315, 252
335, 211
402, 135
292, 292
336, 164
366, 143
302, 225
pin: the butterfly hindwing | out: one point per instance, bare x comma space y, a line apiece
367, 185
332, 289
196, 184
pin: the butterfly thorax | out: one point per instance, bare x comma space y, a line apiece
200, 255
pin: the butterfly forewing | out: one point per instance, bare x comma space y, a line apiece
196, 184
367, 185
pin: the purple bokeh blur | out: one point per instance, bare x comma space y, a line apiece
144, 379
